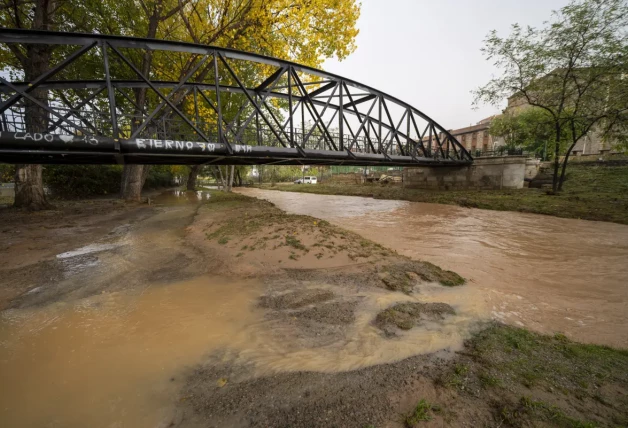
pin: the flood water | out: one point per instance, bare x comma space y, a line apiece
119, 358
114, 359
546, 273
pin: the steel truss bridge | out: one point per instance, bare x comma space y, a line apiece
198, 104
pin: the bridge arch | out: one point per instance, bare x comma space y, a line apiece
230, 107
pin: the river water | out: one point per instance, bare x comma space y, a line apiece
118, 358
546, 273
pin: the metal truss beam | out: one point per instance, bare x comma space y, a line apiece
256, 104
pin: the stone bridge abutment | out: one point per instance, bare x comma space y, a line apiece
505, 172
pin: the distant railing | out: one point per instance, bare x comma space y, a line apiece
503, 151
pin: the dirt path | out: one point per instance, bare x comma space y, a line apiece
202, 311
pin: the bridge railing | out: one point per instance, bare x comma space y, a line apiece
176, 129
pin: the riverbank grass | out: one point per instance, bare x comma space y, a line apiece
590, 193
533, 379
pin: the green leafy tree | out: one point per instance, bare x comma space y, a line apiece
30, 61
530, 129
7, 173
574, 68
306, 31
510, 128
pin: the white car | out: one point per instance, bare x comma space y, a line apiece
306, 180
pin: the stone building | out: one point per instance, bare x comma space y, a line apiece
476, 137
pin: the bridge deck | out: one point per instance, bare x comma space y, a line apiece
19, 148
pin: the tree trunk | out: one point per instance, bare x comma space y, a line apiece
29, 188
192, 177
219, 176
230, 178
562, 174
556, 161
133, 178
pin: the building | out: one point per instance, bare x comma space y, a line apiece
476, 137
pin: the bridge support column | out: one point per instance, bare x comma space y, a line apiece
507, 172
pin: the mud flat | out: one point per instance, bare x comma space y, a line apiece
222, 310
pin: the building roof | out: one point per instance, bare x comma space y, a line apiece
472, 128
482, 125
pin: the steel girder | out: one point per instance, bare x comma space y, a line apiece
220, 106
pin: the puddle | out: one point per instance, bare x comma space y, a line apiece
174, 197
88, 249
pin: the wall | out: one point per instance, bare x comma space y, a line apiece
505, 172
7, 189
533, 167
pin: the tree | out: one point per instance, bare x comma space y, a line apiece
530, 129
574, 69
306, 31
510, 128
31, 61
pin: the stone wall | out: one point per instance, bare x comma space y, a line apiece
533, 166
505, 172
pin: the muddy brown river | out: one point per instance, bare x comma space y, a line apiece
545, 273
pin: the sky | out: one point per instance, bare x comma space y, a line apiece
427, 52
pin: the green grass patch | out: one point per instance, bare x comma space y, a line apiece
421, 413
293, 242
407, 315
512, 357
528, 409
488, 380
532, 379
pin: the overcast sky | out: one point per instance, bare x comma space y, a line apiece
427, 52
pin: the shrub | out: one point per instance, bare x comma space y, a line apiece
79, 181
